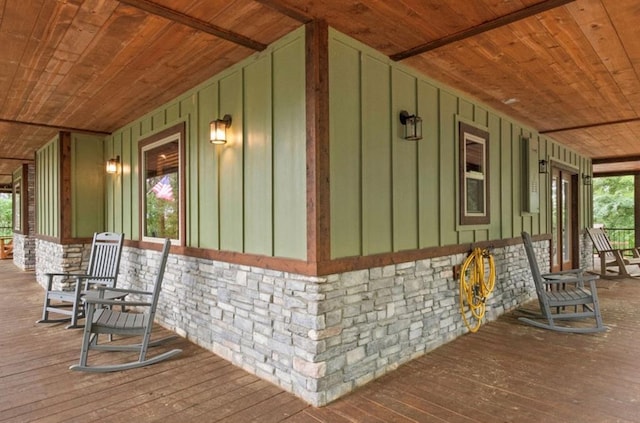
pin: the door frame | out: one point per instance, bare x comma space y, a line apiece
574, 206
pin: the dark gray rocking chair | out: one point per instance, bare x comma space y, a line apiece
565, 293
102, 270
102, 320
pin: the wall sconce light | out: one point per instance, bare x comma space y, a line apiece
218, 130
113, 165
412, 126
586, 179
543, 166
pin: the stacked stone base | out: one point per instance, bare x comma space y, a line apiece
317, 337
56, 258
322, 337
24, 251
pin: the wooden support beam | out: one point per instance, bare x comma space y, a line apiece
606, 160
317, 96
287, 11
56, 127
483, 27
636, 209
19, 159
191, 22
590, 125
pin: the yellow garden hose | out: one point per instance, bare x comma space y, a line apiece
476, 286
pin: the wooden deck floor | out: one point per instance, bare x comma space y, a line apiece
507, 372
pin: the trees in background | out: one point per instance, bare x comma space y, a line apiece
613, 207
6, 213
613, 201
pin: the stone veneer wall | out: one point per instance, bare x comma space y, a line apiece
586, 253
56, 258
322, 337
24, 251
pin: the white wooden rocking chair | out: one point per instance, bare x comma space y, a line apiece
563, 296
102, 270
102, 320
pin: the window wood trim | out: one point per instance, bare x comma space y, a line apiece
466, 219
178, 130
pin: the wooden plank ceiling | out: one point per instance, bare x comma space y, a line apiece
570, 69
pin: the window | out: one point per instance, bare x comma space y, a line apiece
162, 186
20, 211
474, 175
17, 205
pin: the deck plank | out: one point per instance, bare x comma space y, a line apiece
506, 372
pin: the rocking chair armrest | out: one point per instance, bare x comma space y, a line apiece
625, 249
124, 290
95, 300
561, 281
559, 278
78, 276
615, 250
51, 275
565, 272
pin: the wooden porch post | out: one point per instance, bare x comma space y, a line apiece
636, 209
317, 93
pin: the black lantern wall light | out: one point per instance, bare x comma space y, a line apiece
412, 126
543, 166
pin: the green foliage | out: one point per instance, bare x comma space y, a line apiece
613, 202
6, 213
613, 206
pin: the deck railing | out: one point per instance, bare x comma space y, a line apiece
621, 238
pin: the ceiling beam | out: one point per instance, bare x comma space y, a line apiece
590, 125
483, 27
56, 127
615, 173
18, 159
191, 22
287, 11
606, 160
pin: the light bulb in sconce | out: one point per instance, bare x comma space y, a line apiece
113, 164
218, 130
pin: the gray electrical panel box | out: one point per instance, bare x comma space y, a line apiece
530, 176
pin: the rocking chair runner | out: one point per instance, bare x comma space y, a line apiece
613, 262
102, 270
129, 323
565, 292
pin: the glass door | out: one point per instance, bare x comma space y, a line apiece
563, 219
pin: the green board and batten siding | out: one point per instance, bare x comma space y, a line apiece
387, 194
249, 195
86, 195
48, 189
289, 150
390, 195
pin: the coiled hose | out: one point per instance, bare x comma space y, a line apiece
476, 286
